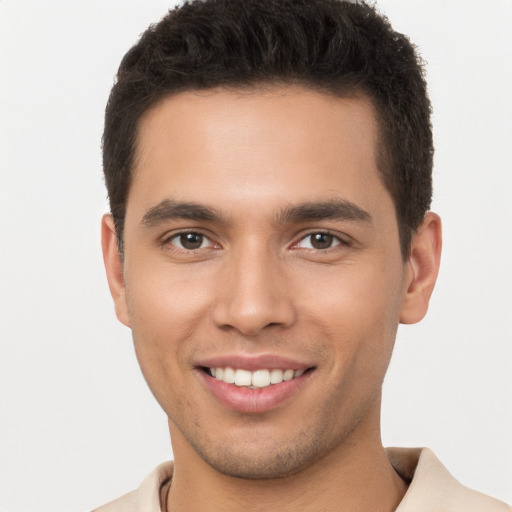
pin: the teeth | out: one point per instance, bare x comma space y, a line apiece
229, 376
261, 378
243, 378
276, 376
257, 379
288, 375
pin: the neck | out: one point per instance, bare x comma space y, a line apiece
355, 477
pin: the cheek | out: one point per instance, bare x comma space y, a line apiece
359, 308
165, 311
165, 301
357, 289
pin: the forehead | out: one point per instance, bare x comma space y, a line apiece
288, 143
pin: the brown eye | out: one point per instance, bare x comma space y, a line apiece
319, 241
189, 241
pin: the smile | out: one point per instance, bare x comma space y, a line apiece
254, 385
256, 379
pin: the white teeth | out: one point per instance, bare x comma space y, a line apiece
276, 376
257, 379
243, 378
261, 378
229, 376
288, 375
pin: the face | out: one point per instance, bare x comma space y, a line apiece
261, 247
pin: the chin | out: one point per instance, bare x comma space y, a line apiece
262, 462
279, 465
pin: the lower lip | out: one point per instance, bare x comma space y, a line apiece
253, 401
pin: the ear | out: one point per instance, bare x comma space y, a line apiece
422, 269
114, 268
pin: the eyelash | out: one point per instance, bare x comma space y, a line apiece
336, 240
176, 236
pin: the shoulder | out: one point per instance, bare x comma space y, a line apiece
432, 486
126, 503
147, 497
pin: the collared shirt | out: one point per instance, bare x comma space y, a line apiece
432, 488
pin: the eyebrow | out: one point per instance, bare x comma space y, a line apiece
337, 209
169, 209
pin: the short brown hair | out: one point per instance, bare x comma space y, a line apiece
339, 47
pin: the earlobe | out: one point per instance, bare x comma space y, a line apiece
422, 269
114, 268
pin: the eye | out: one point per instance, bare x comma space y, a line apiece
189, 241
319, 241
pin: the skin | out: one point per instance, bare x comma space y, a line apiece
257, 285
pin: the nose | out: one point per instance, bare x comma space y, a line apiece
254, 294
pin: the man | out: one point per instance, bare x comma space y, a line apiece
269, 173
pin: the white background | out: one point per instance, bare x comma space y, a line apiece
78, 425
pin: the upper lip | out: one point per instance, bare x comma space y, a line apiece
253, 362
